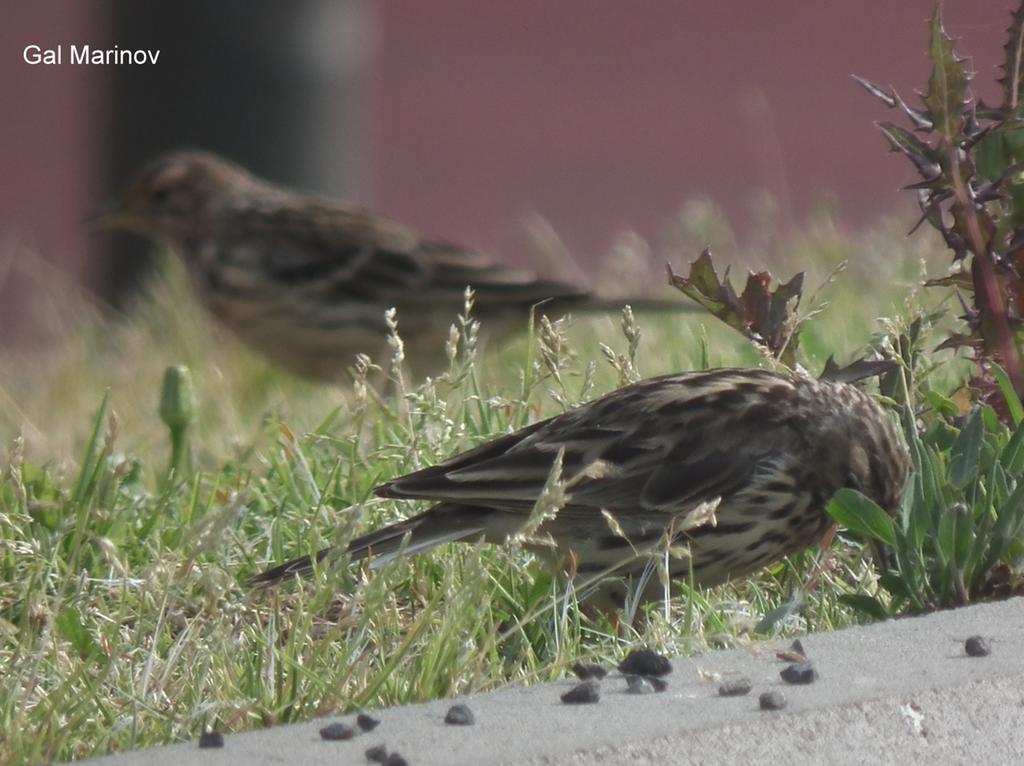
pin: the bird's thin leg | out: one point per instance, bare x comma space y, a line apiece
825, 546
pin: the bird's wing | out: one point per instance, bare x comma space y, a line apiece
452, 269
352, 254
660, 446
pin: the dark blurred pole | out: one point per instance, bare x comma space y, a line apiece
281, 87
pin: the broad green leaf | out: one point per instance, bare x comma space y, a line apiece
942, 404
1013, 137
1000, 488
861, 514
1016, 190
933, 473
990, 156
915, 518
990, 418
1012, 456
966, 453
1008, 520
946, 537
896, 585
1013, 403
941, 436
911, 496
978, 559
865, 604
964, 535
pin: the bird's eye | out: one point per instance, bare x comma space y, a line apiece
853, 481
161, 195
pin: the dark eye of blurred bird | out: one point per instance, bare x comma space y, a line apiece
754, 455
306, 280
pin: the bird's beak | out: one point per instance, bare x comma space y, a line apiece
114, 219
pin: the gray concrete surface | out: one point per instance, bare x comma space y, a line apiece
901, 692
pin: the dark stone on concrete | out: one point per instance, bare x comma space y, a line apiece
977, 646
211, 739
891, 695
337, 730
735, 687
459, 715
645, 662
366, 722
585, 693
772, 700
800, 673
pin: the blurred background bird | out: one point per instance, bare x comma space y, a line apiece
726, 470
306, 280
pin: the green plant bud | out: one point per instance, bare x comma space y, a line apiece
177, 398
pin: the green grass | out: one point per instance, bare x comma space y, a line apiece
123, 620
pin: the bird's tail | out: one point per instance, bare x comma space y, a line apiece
441, 524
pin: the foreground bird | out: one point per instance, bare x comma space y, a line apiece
306, 280
764, 452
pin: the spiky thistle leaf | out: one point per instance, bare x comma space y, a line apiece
947, 85
1013, 63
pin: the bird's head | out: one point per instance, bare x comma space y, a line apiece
178, 196
879, 462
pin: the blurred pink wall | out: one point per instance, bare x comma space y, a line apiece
598, 114
49, 165
602, 114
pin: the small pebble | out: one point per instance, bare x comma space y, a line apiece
977, 646
211, 739
377, 754
337, 730
586, 692
584, 670
772, 700
366, 722
459, 715
735, 687
800, 673
645, 662
395, 760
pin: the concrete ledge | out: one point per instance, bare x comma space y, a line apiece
897, 692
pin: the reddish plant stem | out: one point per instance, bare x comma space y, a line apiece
983, 273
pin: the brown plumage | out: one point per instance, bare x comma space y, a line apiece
764, 450
306, 280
